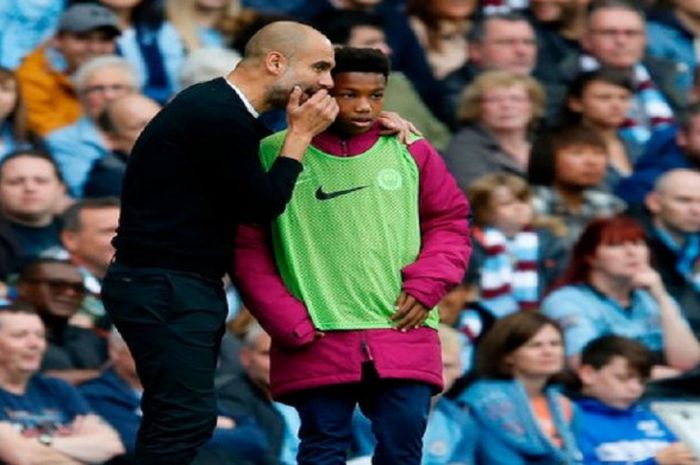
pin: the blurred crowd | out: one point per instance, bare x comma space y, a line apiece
573, 127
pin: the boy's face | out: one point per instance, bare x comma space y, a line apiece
360, 98
509, 213
615, 384
580, 166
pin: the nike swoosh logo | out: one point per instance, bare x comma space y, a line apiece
320, 195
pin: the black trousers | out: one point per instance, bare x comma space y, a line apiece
173, 323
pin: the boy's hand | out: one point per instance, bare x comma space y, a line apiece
409, 312
392, 124
676, 454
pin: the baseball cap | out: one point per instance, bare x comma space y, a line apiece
85, 17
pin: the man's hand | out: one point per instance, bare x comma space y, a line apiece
305, 120
409, 312
676, 454
395, 124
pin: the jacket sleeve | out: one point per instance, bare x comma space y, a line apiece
445, 241
255, 274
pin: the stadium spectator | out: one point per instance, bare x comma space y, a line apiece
88, 228
566, 167
84, 31
31, 187
521, 415
116, 395
502, 41
77, 146
515, 256
600, 99
121, 122
55, 289
441, 28
611, 425
207, 63
497, 112
14, 134
43, 420
609, 287
668, 148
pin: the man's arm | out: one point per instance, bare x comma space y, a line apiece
92, 441
16, 449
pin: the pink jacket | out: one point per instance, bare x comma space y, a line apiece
301, 360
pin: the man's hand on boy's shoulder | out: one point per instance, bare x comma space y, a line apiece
409, 314
392, 123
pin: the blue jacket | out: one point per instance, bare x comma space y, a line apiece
668, 39
607, 435
24, 25
510, 433
662, 154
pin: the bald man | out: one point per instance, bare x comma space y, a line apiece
193, 176
121, 122
673, 228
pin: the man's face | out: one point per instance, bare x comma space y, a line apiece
55, 289
360, 98
129, 120
29, 188
507, 45
91, 245
77, 48
689, 139
677, 204
310, 69
22, 343
256, 360
554, 11
103, 86
616, 37
369, 37
614, 384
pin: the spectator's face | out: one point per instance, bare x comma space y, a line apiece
129, 120
360, 98
507, 45
256, 361
77, 48
506, 108
677, 204
451, 365
616, 37
580, 166
621, 261
91, 245
453, 9
602, 104
554, 11
103, 86
689, 139
614, 384
369, 37
22, 343
310, 70
8, 98
29, 188
540, 357
509, 213
55, 289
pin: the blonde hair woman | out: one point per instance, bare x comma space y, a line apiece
497, 112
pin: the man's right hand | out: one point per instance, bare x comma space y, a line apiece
305, 120
676, 454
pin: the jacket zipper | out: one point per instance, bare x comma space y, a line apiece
367, 351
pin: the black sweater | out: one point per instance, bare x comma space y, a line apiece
193, 176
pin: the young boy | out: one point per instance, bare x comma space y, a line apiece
612, 428
374, 236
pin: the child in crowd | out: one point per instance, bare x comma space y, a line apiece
522, 417
566, 167
612, 427
515, 257
374, 235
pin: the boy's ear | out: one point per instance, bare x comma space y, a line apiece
587, 374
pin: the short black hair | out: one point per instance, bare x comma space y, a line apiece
600, 352
615, 4
338, 26
687, 115
18, 307
360, 60
32, 153
71, 217
540, 169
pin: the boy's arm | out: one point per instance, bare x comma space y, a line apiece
255, 274
445, 241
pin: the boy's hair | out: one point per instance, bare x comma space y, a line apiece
600, 352
480, 192
360, 60
541, 169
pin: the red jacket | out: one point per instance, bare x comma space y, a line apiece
299, 360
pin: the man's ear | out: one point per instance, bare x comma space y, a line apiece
475, 55
275, 63
587, 374
574, 104
652, 202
